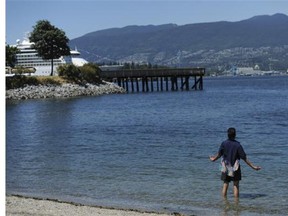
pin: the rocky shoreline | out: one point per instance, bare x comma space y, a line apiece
62, 91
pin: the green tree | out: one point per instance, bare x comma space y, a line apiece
11, 55
49, 41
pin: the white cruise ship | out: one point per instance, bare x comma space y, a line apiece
28, 57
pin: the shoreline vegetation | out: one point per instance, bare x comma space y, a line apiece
21, 205
58, 88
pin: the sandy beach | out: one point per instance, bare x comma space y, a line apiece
17, 205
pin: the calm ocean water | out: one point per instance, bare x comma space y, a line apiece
150, 151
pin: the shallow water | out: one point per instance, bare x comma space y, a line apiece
150, 150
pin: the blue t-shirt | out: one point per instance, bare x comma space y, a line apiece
231, 150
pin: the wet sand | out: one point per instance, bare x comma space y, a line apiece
24, 206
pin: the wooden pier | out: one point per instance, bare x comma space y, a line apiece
146, 80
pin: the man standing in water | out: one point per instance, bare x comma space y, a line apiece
231, 152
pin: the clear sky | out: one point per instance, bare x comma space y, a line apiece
78, 17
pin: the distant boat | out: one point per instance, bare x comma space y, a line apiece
29, 58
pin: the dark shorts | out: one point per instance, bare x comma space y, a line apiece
227, 179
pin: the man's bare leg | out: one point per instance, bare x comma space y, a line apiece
225, 188
236, 189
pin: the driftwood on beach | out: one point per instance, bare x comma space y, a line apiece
62, 91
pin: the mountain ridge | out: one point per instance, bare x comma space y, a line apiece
197, 44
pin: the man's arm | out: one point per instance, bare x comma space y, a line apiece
251, 165
215, 157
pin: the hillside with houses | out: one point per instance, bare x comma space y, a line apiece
217, 46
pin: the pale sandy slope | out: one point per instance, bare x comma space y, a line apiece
34, 207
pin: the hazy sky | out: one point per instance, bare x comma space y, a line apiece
78, 17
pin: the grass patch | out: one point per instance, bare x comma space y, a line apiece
54, 80
20, 81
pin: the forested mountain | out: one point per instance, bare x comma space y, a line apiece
261, 40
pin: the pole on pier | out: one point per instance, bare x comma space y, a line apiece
166, 78
147, 84
187, 82
127, 87
143, 84
132, 84
119, 81
137, 85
